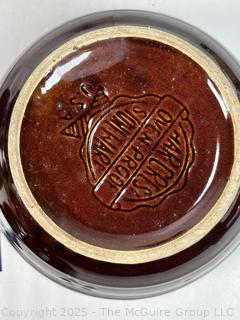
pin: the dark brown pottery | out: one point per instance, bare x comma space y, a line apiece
120, 154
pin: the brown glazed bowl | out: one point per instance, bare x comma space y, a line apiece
120, 154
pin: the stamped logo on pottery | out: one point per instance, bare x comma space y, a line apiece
137, 150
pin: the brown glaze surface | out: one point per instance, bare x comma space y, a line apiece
125, 145
62, 264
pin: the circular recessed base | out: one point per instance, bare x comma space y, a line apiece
122, 146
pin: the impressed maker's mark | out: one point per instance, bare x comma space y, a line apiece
137, 150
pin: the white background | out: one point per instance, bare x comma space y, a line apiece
26, 294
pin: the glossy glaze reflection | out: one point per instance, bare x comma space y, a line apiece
76, 271
122, 152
